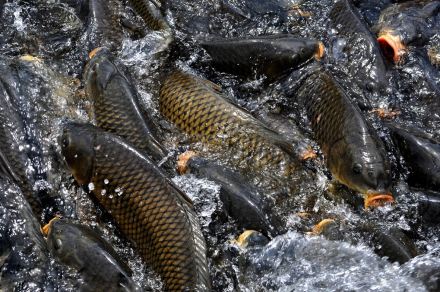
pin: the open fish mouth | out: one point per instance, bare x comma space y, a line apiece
183, 160
393, 47
320, 51
374, 200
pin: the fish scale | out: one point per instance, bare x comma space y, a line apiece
150, 14
13, 145
355, 154
149, 209
197, 107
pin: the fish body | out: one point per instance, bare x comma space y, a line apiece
287, 128
103, 26
421, 155
81, 248
24, 259
198, 107
365, 63
270, 56
409, 23
151, 14
116, 107
19, 143
238, 195
146, 206
355, 154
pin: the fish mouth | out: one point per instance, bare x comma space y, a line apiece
320, 51
183, 160
92, 53
47, 226
320, 226
375, 200
393, 47
310, 154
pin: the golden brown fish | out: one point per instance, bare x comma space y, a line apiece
145, 204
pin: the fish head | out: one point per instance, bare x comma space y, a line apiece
98, 72
363, 169
77, 147
304, 51
63, 242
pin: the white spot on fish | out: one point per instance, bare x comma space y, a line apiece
91, 186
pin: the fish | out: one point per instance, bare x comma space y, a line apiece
143, 202
365, 63
409, 23
104, 27
329, 229
116, 107
24, 259
421, 155
20, 145
287, 128
151, 14
83, 249
434, 50
391, 242
254, 57
199, 108
238, 195
355, 154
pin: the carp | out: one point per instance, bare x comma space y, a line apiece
80, 247
198, 107
116, 106
364, 60
355, 154
239, 197
24, 259
421, 155
270, 56
144, 203
409, 23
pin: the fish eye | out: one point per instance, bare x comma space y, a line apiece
382, 91
357, 168
303, 50
57, 244
369, 86
370, 174
66, 142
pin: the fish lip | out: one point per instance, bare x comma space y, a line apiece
378, 199
320, 51
183, 160
45, 229
393, 47
95, 51
319, 227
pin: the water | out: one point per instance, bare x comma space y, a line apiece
291, 262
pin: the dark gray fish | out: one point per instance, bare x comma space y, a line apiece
355, 154
81, 248
421, 155
408, 23
365, 63
270, 56
116, 106
391, 242
19, 142
24, 259
150, 13
238, 195
144, 203
287, 128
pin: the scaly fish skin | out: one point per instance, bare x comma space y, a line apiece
197, 107
269, 56
116, 107
144, 203
81, 248
365, 62
355, 154
23, 253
